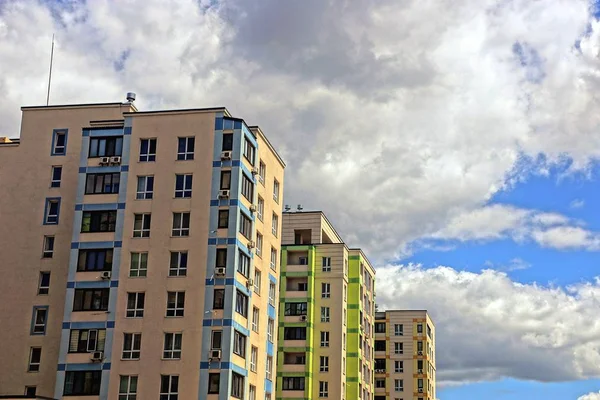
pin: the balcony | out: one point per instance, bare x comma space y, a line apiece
294, 362
296, 287
297, 259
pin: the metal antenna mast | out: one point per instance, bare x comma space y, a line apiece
50, 72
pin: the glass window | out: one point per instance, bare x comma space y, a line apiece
262, 172
221, 258
106, 146
259, 244
227, 142
175, 304
293, 383
272, 290
326, 264
239, 344
82, 383
141, 225
398, 348
241, 303
274, 224
52, 211
247, 188
325, 290
59, 143
325, 314
56, 176
398, 366
323, 389
169, 387
214, 380
35, 357
139, 265
40, 318
276, 191
324, 364
48, 251
44, 283
183, 186
249, 151
253, 358
237, 386
128, 387
132, 343
172, 347
270, 330
135, 305
260, 208
181, 224
295, 308
178, 265
257, 280
87, 340
273, 263
324, 339
94, 260
98, 221
145, 187
255, 319
216, 340
91, 299
269, 368
294, 333
218, 299
102, 183
243, 264
223, 218
245, 226
185, 148
225, 180
147, 150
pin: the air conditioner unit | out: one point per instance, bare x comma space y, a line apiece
380, 371
251, 244
105, 275
97, 356
215, 354
223, 194
249, 283
420, 353
220, 271
419, 371
115, 160
226, 155
254, 171
104, 160
303, 318
420, 390
253, 208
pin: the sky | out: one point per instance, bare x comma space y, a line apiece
456, 141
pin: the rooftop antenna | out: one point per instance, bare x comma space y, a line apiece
299, 207
287, 208
50, 72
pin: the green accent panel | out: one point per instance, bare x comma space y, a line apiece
352, 355
297, 274
352, 379
352, 306
296, 325
282, 349
354, 280
352, 330
298, 247
294, 374
353, 257
294, 300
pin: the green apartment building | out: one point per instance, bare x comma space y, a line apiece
326, 313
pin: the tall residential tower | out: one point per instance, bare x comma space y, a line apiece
137, 248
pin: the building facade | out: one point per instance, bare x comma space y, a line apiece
326, 313
134, 245
404, 355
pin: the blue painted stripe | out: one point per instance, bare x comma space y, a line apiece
99, 170
268, 386
70, 285
105, 132
88, 325
98, 207
88, 284
82, 367
239, 370
95, 245
272, 278
270, 346
237, 326
124, 168
110, 324
271, 311
242, 288
66, 325
127, 130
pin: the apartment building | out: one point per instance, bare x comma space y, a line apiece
137, 249
404, 355
326, 313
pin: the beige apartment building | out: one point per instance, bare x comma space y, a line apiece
404, 355
140, 254
326, 313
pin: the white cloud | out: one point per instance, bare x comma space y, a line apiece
590, 396
489, 327
577, 203
391, 115
515, 264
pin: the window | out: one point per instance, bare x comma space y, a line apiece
294, 333
223, 218
102, 183
135, 305
44, 283
269, 369
183, 186
35, 356
52, 211
326, 264
345, 291
399, 385
106, 146
40, 319
420, 329
82, 383
259, 244
249, 151
324, 364
380, 384
128, 387
227, 142
276, 191
218, 299
185, 148
398, 329
59, 142
237, 386
147, 150
262, 172
181, 224
241, 303
172, 348
243, 264
255, 318
323, 389
252, 393
253, 358
56, 176
87, 340
132, 343
239, 344
94, 260
30, 391
139, 265
178, 265
245, 226
272, 289
216, 340
324, 339
91, 300
273, 263
225, 180
325, 290
145, 187
48, 250
214, 380
99, 221
419, 345
398, 348
270, 330
324, 314
260, 208
295, 308
141, 225
293, 383
175, 304
257, 280
247, 188
380, 363
274, 224
380, 345
398, 366
379, 327
221, 258
169, 387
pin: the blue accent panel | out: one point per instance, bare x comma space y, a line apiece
100, 207
272, 279
234, 202
54, 132
248, 173
78, 207
250, 136
47, 204
84, 367
235, 163
96, 245
106, 132
268, 386
204, 364
74, 245
62, 367
106, 366
227, 322
217, 164
207, 322
85, 132
66, 325
242, 288
218, 124
212, 241
89, 284
271, 312
127, 130
239, 370
82, 170
214, 203
35, 308
270, 348
107, 170
118, 244
232, 241
237, 124
229, 281
237, 326
70, 285
110, 324
88, 325
121, 206
124, 168
114, 283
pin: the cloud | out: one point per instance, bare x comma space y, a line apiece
391, 115
490, 327
590, 396
577, 203
516, 264
499, 221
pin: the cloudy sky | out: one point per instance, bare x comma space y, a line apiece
455, 140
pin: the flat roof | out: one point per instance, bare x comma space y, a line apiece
180, 110
73, 105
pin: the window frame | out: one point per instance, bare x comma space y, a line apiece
175, 304
260, 208
145, 187
54, 180
169, 387
34, 365
101, 260
239, 343
223, 220
324, 342
294, 333
100, 295
213, 334
148, 156
130, 387
253, 358
38, 327
79, 379
134, 307
241, 303
247, 188
186, 154
98, 220
142, 264
276, 187
257, 280
275, 224
142, 223
214, 382
54, 218
95, 340
178, 263
44, 288
325, 314
237, 385
245, 226
325, 290
255, 319
225, 180
262, 172
243, 266
249, 151
180, 218
110, 143
323, 389
273, 262
218, 300
48, 246
183, 186
172, 345
133, 340
326, 264
56, 134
